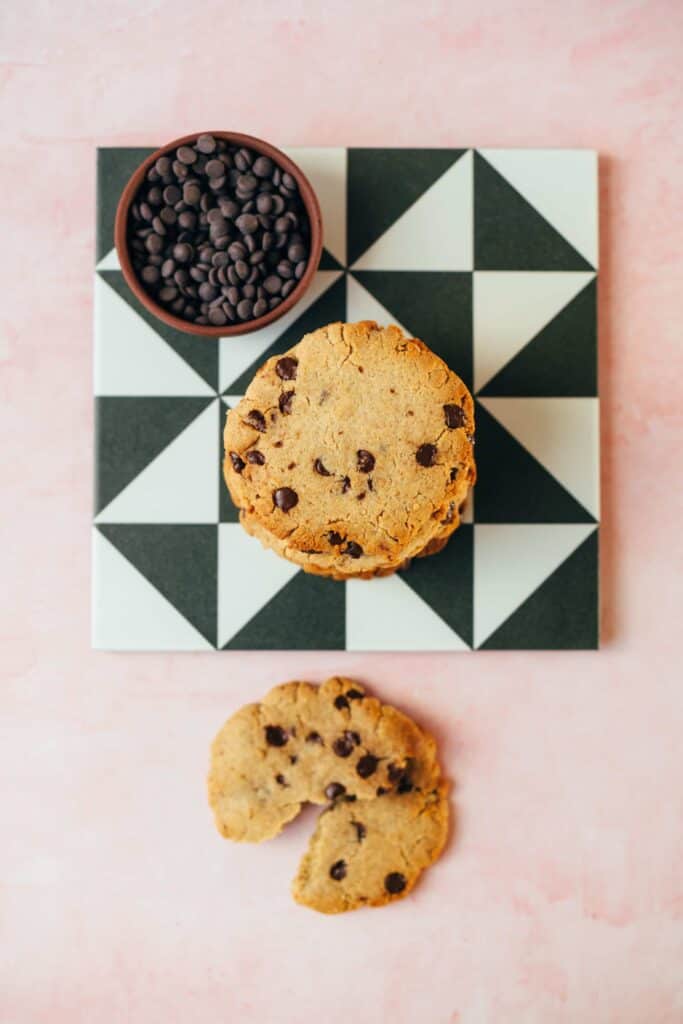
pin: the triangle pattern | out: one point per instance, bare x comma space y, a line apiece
561, 360
562, 433
562, 184
129, 613
329, 306
511, 561
179, 485
510, 234
110, 261
562, 614
511, 308
382, 184
513, 486
130, 433
180, 561
241, 353
385, 614
115, 165
307, 614
199, 353
328, 262
227, 512
325, 167
435, 233
445, 582
361, 305
130, 356
435, 306
248, 577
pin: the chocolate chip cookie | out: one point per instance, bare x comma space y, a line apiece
306, 743
387, 813
352, 453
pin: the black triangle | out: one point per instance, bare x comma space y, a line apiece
446, 581
513, 486
227, 512
309, 613
562, 614
130, 432
330, 307
435, 306
561, 360
510, 234
328, 262
114, 167
200, 353
180, 561
382, 184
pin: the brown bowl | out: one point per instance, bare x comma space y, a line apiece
309, 200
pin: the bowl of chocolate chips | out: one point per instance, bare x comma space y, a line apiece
218, 233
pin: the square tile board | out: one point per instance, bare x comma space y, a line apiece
490, 256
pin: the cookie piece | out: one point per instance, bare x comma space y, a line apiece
372, 852
351, 453
331, 743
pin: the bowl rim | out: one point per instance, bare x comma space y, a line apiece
311, 204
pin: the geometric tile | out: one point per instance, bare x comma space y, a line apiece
361, 305
325, 167
562, 433
510, 234
511, 308
422, 238
406, 621
446, 584
511, 561
562, 185
561, 360
227, 512
114, 167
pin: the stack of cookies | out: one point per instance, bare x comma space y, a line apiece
352, 453
375, 769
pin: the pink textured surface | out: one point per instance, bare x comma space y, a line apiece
561, 897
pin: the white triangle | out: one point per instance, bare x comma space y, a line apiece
510, 308
325, 167
511, 561
563, 434
386, 615
248, 577
361, 305
435, 233
236, 354
129, 614
110, 261
131, 358
562, 184
180, 485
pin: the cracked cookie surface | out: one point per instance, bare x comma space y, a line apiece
352, 452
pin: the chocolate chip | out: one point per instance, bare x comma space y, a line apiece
340, 702
381, 791
275, 735
314, 737
454, 473
334, 790
365, 461
255, 457
293, 759
281, 780
319, 467
354, 694
237, 462
426, 455
285, 498
346, 483
395, 772
186, 155
405, 785
343, 745
361, 830
286, 368
394, 883
367, 766
454, 416
206, 143
335, 539
338, 870
352, 549
285, 402
256, 420
272, 284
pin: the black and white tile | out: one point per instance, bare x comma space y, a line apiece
491, 257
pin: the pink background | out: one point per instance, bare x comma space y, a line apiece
560, 898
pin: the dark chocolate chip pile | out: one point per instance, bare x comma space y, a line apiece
218, 234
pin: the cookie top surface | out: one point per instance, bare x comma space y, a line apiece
350, 444
308, 743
